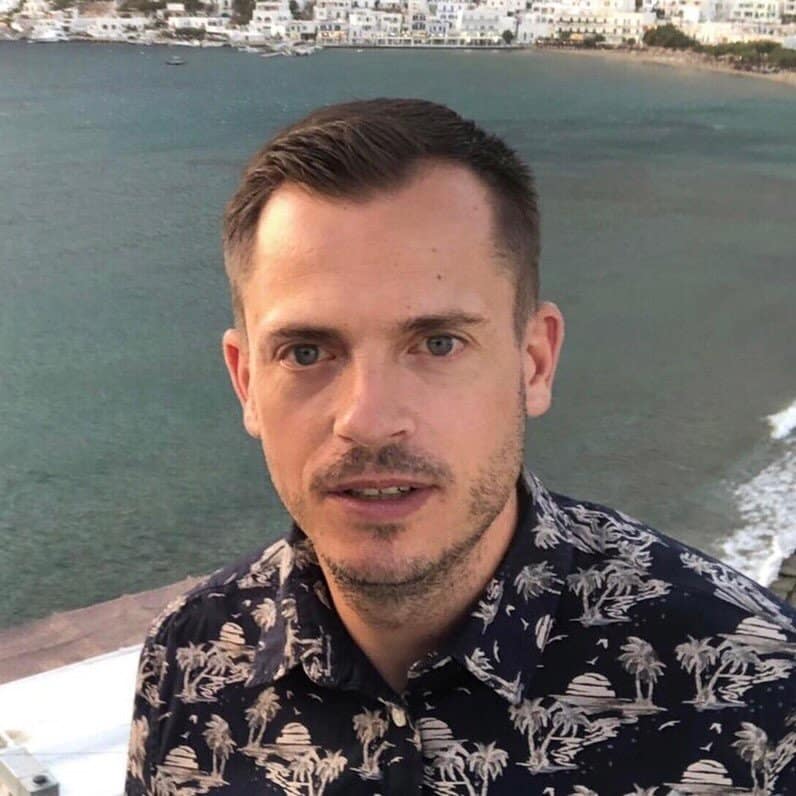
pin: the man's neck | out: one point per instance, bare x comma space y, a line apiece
397, 635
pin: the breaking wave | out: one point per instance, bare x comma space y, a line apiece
767, 503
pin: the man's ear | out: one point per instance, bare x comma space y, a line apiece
544, 335
236, 356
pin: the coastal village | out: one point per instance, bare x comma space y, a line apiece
299, 27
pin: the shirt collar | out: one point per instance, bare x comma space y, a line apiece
501, 642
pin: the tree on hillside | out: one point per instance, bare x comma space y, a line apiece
508, 37
670, 37
242, 11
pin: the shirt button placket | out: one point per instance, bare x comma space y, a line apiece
405, 776
398, 715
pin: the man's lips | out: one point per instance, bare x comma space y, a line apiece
378, 483
381, 508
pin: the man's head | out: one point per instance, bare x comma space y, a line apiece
387, 335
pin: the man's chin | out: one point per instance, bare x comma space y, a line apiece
389, 580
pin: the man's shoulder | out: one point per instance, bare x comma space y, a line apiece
636, 569
238, 593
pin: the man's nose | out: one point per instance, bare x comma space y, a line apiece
372, 404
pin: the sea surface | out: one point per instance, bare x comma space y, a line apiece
669, 242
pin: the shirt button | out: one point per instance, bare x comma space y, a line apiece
398, 716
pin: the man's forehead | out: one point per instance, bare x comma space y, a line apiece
296, 217
425, 250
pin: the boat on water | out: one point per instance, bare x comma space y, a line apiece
175, 60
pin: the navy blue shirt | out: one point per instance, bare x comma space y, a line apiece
603, 658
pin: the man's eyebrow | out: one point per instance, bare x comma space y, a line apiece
441, 320
317, 334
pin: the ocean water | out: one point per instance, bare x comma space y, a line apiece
669, 242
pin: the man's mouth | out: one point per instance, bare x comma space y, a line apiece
388, 493
382, 503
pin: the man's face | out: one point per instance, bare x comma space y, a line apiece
380, 352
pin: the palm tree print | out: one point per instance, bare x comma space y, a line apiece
695, 656
190, 658
535, 579
620, 584
765, 760
208, 667
584, 583
301, 770
370, 726
329, 768
738, 668
487, 609
557, 734
487, 763
152, 667
265, 614
260, 715
139, 732
639, 659
219, 739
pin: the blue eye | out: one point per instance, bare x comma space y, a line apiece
440, 344
305, 354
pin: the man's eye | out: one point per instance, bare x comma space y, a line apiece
441, 345
304, 354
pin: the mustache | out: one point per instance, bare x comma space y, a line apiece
389, 460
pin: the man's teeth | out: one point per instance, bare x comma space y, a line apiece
390, 491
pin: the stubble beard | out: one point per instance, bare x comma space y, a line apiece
377, 595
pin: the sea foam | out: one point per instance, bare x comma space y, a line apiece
782, 423
767, 503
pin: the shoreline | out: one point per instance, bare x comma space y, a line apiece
654, 56
683, 59
73, 636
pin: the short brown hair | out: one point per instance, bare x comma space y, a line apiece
356, 149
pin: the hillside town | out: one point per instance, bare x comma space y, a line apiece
301, 26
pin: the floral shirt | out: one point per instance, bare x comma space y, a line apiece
603, 658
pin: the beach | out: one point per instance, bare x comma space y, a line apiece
681, 59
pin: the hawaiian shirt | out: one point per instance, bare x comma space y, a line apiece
602, 658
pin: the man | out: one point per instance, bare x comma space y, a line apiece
436, 621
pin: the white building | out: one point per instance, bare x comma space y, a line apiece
450, 10
302, 29
270, 19
484, 25
209, 24
363, 26
333, 31
108, 28
755, 11
390, 23
538, 23
327, 10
